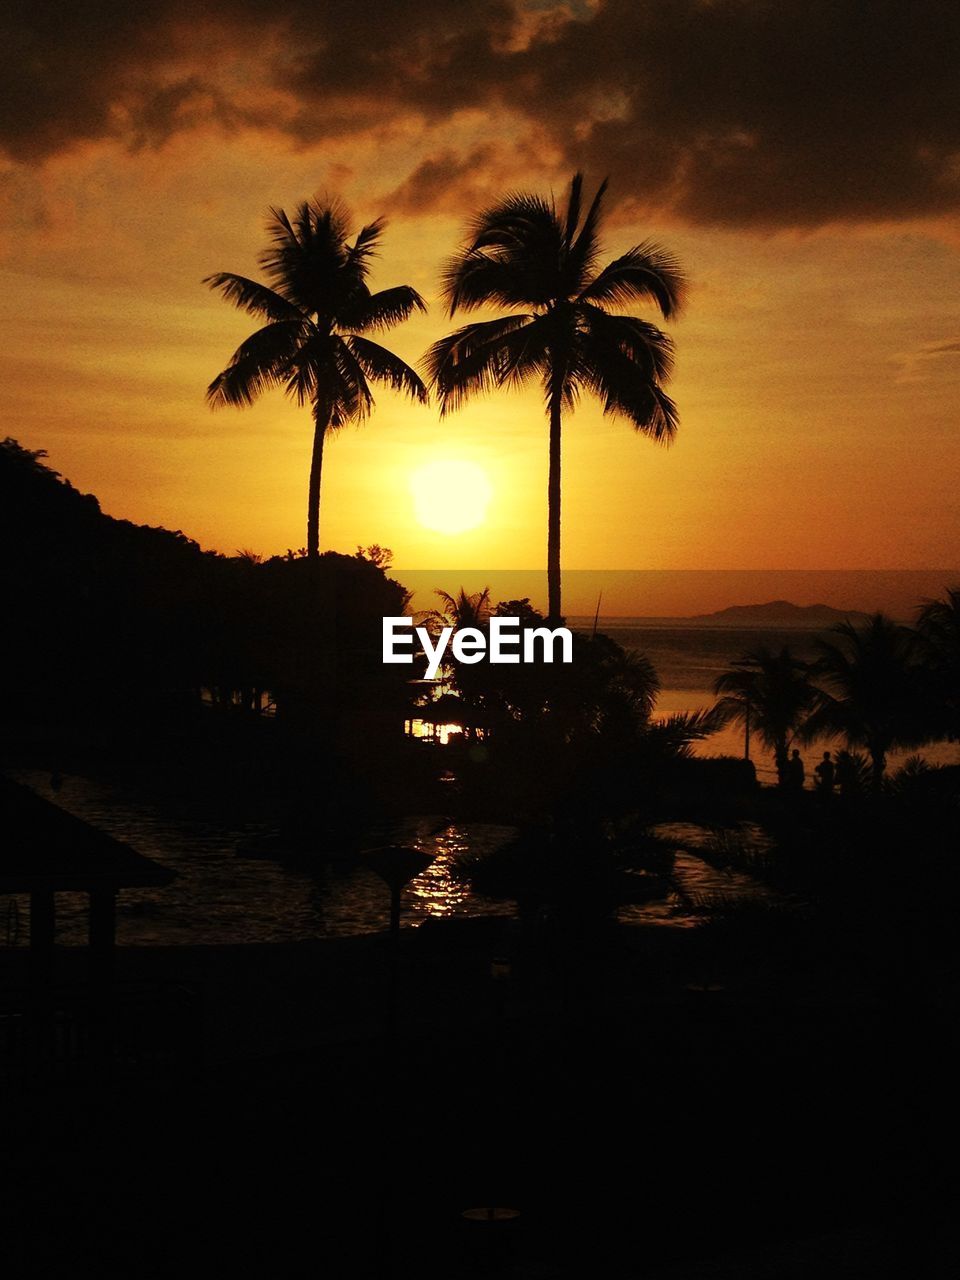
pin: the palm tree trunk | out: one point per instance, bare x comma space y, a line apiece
313, 490
553, 509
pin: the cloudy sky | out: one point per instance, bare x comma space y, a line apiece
802, 157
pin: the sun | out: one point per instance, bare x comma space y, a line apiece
450, 495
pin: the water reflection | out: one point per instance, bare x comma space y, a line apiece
697, 879
437, 892
221, 898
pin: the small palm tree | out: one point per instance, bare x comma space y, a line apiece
872, 694
770, 694
317, 309
541, 266
459, 611
938, 623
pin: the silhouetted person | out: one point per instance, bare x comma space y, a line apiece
825, 774
795, 772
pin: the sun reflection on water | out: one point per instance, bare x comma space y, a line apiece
436, 891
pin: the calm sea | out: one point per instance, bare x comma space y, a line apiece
688, 659
222, 897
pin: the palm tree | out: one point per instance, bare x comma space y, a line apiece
938, 623
769, 693
459, 611
872, 691
541, 266
317, 309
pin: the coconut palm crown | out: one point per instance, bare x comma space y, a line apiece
871, 690
939, 627
317, 309
541, 266
769, 692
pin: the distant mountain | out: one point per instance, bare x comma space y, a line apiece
777, 613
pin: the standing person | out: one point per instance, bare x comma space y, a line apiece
825, 774
795, 772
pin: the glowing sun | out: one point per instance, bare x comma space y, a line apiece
450, 495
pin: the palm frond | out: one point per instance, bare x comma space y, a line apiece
354, 399
526, 352
645, 273
625, 388
641, 342
514, 257
471, 360
464, 609
279, 227
381, 310
366, 245
383, 366
676, 734
474, 279
301, 380
312, 369
253, 297
939, 620
583, 250
308, 257
521, 221
456, 377
259, 362
872, 689
573, 208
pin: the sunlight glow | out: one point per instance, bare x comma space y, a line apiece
450, 495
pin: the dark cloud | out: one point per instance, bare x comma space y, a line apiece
447, 175
737, 112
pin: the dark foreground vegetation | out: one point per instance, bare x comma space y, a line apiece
773, 1087
131, 649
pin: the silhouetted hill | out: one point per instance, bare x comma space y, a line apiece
108, 619
778, 613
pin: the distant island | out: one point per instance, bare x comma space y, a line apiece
778, 613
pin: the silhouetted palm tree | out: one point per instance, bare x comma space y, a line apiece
317, 307
872, 691
770, 694
461, 610
541, 266
938, 623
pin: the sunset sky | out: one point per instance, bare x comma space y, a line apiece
801, 158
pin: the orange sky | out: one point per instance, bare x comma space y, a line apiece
818, 361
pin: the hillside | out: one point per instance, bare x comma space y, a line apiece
778, 613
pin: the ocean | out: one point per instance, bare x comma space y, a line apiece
688, 657
220, 897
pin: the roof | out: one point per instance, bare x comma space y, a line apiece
42, 847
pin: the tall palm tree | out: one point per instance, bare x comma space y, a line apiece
769, 693
872, 695
541, 266
317, 307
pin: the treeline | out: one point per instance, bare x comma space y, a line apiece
112, 622
578, 739
877, 686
